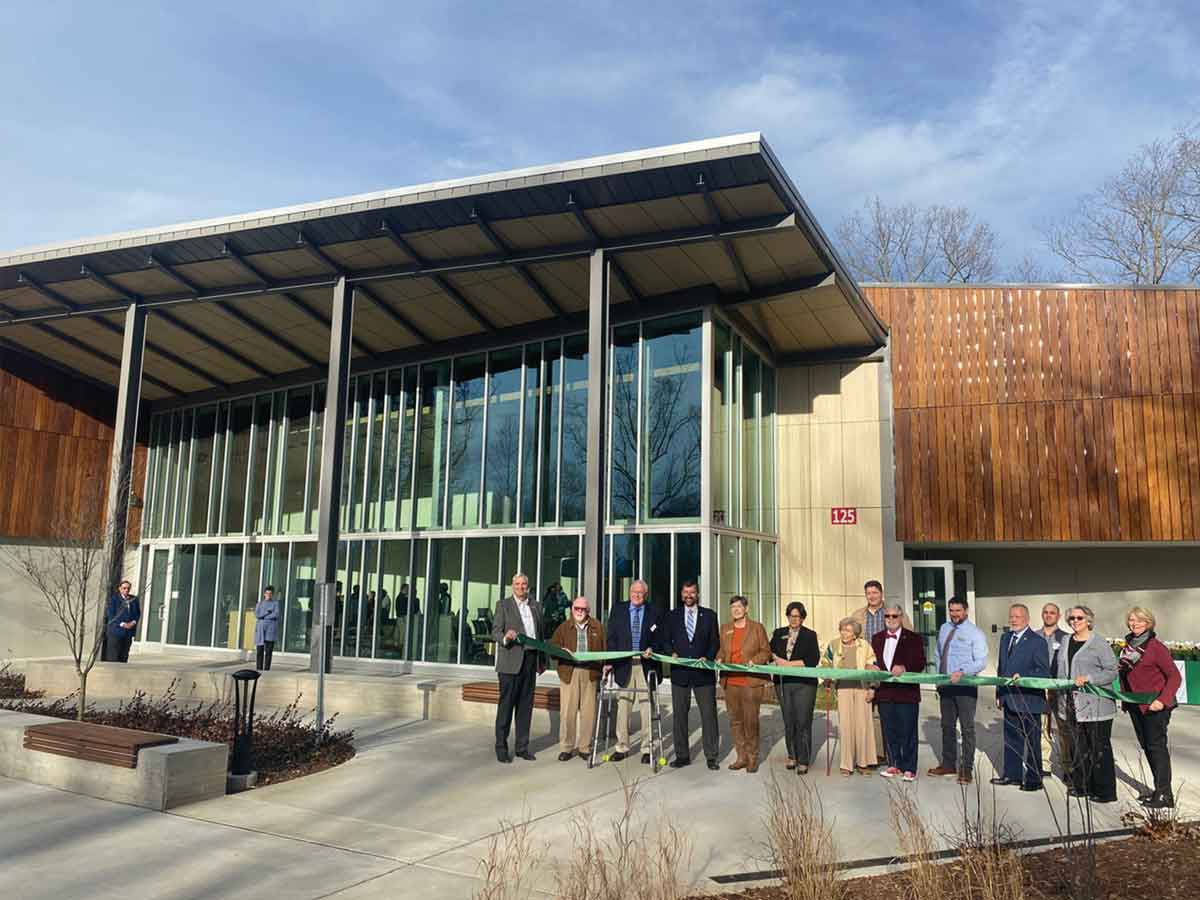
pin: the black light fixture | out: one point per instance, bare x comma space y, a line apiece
245, 687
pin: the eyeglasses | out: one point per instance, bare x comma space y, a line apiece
891, 616
580, 608
1076, 618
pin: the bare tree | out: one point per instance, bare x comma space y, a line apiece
69, 575
1143, 224
907, 243
1030, 270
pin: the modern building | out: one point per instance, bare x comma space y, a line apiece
650, 365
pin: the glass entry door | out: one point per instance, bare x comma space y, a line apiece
928, 585
155, 601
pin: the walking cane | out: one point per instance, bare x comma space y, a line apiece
828, 755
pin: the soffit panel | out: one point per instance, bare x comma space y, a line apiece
147, 282
541, 231
749, 202
178, 377
843, 326
376, 253
711, 260
24, 298
790, 251
218, 325
432, 310
450, 243
214, 273
485, 291
83, 291
567, 282
296, 263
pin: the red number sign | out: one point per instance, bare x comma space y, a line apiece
843, 515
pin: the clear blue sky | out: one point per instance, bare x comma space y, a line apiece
123, 115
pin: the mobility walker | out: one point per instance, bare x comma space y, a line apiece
609, 692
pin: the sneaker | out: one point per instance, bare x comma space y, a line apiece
910, 776
889, 772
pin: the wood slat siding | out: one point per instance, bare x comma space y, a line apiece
1044, 414
55, 444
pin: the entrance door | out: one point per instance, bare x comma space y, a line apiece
156, 612
928, 585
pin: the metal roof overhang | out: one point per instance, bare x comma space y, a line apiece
243, 302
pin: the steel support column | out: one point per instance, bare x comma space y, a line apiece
329, 490
595, 514
120, 473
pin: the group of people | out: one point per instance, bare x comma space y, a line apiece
877, 719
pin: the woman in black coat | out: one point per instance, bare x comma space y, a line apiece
796, 646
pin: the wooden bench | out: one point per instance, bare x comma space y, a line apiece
98, 743
489, 692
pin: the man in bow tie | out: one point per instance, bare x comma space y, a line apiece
901, 650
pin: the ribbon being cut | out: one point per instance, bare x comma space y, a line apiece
876, 676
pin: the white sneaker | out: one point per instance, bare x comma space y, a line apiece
889, 772
910, 776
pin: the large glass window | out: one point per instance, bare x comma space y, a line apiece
481, 591
656, 568
420, 599
466, 441
687, 563
314, 457
751, 373
671, 419
624, 428
163, 474
240, 418
391, 447
301, 593
243, 637
558, 580
295, 461
626, 567
727, 574
551, 445
431, 444
749, 584
395, 601
529, 439
444, 609
260, 460
719, 451
349, 591
182, 569
503, 438
767, 439
204, 596
229, 587
770, 584
369, 615
575, 436
374, 451
182, 489
405, 459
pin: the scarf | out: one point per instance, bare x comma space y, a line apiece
1132, 654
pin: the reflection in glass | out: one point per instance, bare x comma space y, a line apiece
314, 458
751, 513
481, 593
656, 568
181, 593
626, 560
624, 429
349, 447
404, 462
551, 395
431, 444
374, 451
727, 574
559, 579
301, 593
444, 609
369, 613
503, 438
719, 451
185, 460
203, 596
768, 449
750, 577
671, 419
295, 461
239, 461
229, 589
364, 407
770, 584
158, 594
251, 582
466, 441
261, 442
687, 563
529, 440
274, 573
391, 447
394, 601
163, 474
345, 621
574, 439
419, 600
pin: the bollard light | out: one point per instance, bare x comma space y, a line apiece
245, 687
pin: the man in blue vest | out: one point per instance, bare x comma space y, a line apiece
693, 633
638, 627
1023, 654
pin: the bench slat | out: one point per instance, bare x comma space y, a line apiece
98, 743
489, 692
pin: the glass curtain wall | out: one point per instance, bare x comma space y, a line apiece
462, 471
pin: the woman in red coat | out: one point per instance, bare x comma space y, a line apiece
1146, 667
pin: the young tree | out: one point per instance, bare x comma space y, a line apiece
69, 578
1143, 224
907, 243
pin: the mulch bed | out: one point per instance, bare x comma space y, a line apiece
1123, 868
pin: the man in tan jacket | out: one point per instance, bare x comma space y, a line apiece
870, 617
577, 695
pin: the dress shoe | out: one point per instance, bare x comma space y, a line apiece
801, 769
678, 763
502, 756
714, 765
965, 777
737, 764
565, 756
1144, 796
1003, 782
617, 755
1096, 798
1031, 787
791, 763
939, 771
645, 759
752, 766
1076, 792
1160, 801
525, 754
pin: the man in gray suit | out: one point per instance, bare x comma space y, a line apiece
516, 666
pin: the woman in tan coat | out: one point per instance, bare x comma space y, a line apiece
744, 641
856, 733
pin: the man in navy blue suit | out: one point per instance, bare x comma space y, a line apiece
1023, 654
638, 627
693, 633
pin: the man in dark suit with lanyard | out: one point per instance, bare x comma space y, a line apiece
1023, 653
693, 633
634, 626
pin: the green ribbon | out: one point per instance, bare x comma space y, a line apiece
1112, 692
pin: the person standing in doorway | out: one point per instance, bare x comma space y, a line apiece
693, 633
961, 650
899, 650
577, 696
1023, 653
517, 666
121, 615
638, 627
871, 622
266, 628
1054, 726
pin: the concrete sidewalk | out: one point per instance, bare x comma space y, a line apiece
412, 814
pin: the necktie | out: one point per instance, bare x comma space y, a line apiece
691, 625
636, 628
945, 650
